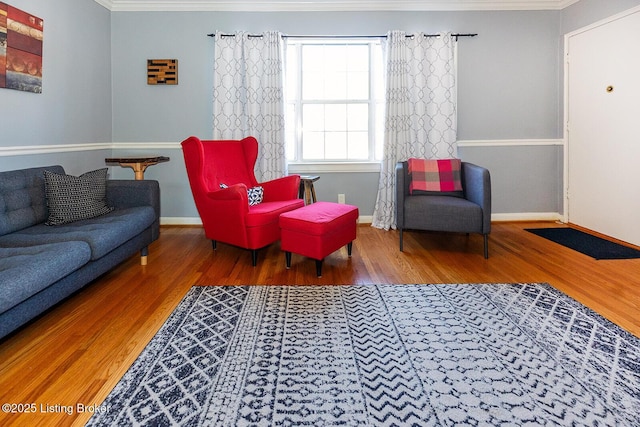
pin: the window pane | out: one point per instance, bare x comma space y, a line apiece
358, 145
313, 117
335, 58
358, 86
313, 85
358, 56
312, 58
335, 85
335, 117
313, 145
336, 145
358, 117
377, 73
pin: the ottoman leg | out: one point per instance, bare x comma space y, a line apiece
319, 267
349, 246
287, 257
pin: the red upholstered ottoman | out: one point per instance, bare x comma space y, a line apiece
318, 229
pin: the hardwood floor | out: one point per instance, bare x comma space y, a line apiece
76, 353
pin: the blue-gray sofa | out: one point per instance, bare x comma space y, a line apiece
40, 265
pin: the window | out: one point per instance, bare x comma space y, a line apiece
334, 90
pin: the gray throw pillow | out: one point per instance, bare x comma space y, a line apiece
72, 198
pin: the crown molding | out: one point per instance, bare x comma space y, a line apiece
330, 5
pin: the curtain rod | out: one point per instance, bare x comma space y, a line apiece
456, 35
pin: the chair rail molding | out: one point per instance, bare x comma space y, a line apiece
26, 150
62, 148
509, 142
146, 145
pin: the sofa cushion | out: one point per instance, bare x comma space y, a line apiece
269, 212
25, 271
442, 213
73, 198
103, 233
22, 200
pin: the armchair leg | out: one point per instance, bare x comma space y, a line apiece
486, 246
319, 267
401, 240
254, 257
215, 244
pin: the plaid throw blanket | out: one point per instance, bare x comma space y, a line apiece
435, 175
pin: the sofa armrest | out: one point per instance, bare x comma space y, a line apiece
129, 193
477, 189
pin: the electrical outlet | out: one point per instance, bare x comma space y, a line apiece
341, 198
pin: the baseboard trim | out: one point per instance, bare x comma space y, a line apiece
365, 219
177, 220
368, 219
526, 216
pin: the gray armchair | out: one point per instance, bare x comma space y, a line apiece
468, 211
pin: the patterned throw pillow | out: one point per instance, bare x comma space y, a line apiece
72, 198
435, 175
255, 194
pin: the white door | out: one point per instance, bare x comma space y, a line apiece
603, 121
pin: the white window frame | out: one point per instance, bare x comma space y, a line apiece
375, 102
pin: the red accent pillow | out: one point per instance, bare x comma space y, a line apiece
435, 175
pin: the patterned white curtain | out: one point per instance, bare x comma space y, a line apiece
421, 119
248, 96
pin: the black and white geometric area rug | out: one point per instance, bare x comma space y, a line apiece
381, 355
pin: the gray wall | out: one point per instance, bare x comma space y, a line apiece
508, 89
507, 75
75, 104
95, 91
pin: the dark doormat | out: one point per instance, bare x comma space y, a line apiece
588, 244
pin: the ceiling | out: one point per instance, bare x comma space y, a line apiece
331, 5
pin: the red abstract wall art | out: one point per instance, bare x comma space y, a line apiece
20, 50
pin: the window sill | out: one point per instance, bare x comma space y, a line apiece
340, 167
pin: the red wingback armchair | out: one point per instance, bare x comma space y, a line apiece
225, 212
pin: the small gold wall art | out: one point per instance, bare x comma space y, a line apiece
162, 71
